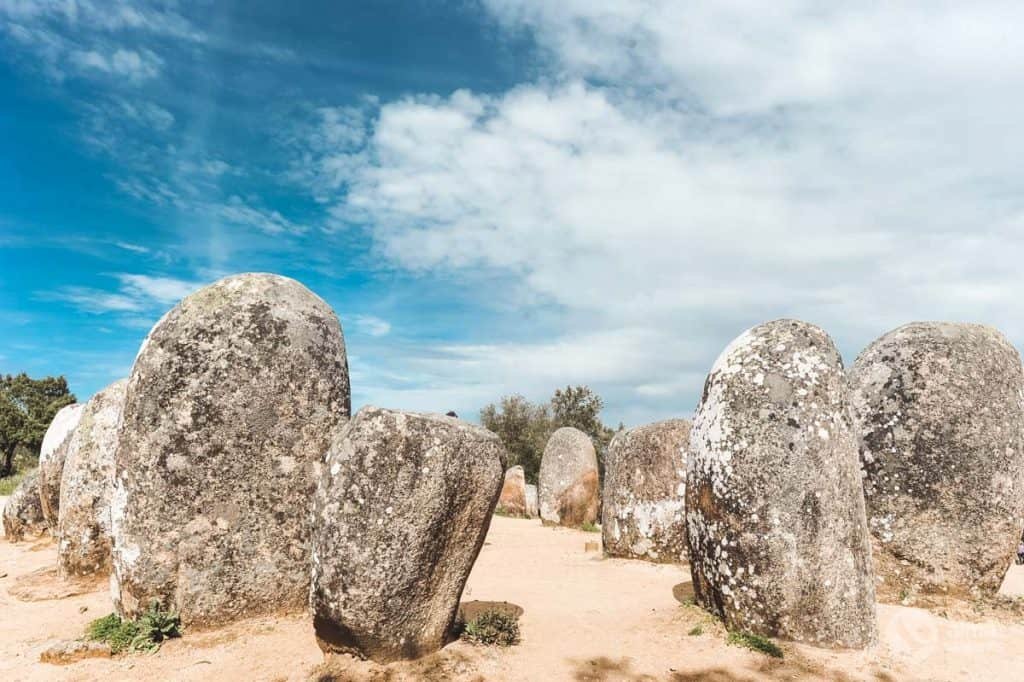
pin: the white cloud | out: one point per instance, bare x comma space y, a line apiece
158, 289
238, 211
135, 294
135, 65
687, 170
372, 325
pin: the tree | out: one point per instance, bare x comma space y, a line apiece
27, 406
524, 429
580, 407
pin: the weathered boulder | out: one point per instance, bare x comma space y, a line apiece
23, 513
51, 459
940, 412
228, 411
87, 486
401, 512
778, 539
67, 651
532, 505
644, 492
568, 484
513, 492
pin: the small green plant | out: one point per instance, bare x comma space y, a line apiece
492, 627
144, 634
696, 630
500, 511
590, 527
755, 643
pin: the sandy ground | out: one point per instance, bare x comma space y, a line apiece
584, 618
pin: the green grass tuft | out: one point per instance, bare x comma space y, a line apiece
590, 527
755, 643
492, 627
696, 630
144, 634
8, 484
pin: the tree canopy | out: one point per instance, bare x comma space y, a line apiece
525, 427
27, 406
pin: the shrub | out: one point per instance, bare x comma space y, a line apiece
492, 627
144, 634
755, 643
9, 483
696, 630
590, 527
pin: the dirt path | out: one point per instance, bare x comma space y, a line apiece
584, 618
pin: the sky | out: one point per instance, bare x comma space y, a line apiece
509, 196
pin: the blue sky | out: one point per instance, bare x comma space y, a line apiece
509, 195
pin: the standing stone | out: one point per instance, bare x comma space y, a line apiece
777, 534
87, 485
568, 482
23, 513
228, 411
513, 492
940, 414
401, 512
644, 498
51, 460
532, 507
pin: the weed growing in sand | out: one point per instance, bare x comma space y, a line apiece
755, 643
590, 527
696, 630
144, 634
500, 511
492, 627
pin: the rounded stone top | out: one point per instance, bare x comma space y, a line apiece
406, 422
648, 460
570, 440
255, 314
64, 422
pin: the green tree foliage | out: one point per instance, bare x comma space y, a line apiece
525, 427
27, 406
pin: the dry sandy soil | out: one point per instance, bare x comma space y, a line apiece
584, 618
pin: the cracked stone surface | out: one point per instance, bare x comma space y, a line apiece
568, 486
777, 533
644, 492
51, 460
87, 486
939, 409
229, 409
401, 512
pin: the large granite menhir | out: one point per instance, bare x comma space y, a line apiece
401, 512
87, 486
23, 514
568, 485
644, 492
940, 413
229, 409
778, 539
51, 460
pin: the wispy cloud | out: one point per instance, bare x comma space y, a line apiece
135, 293
135, 65
372, 325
